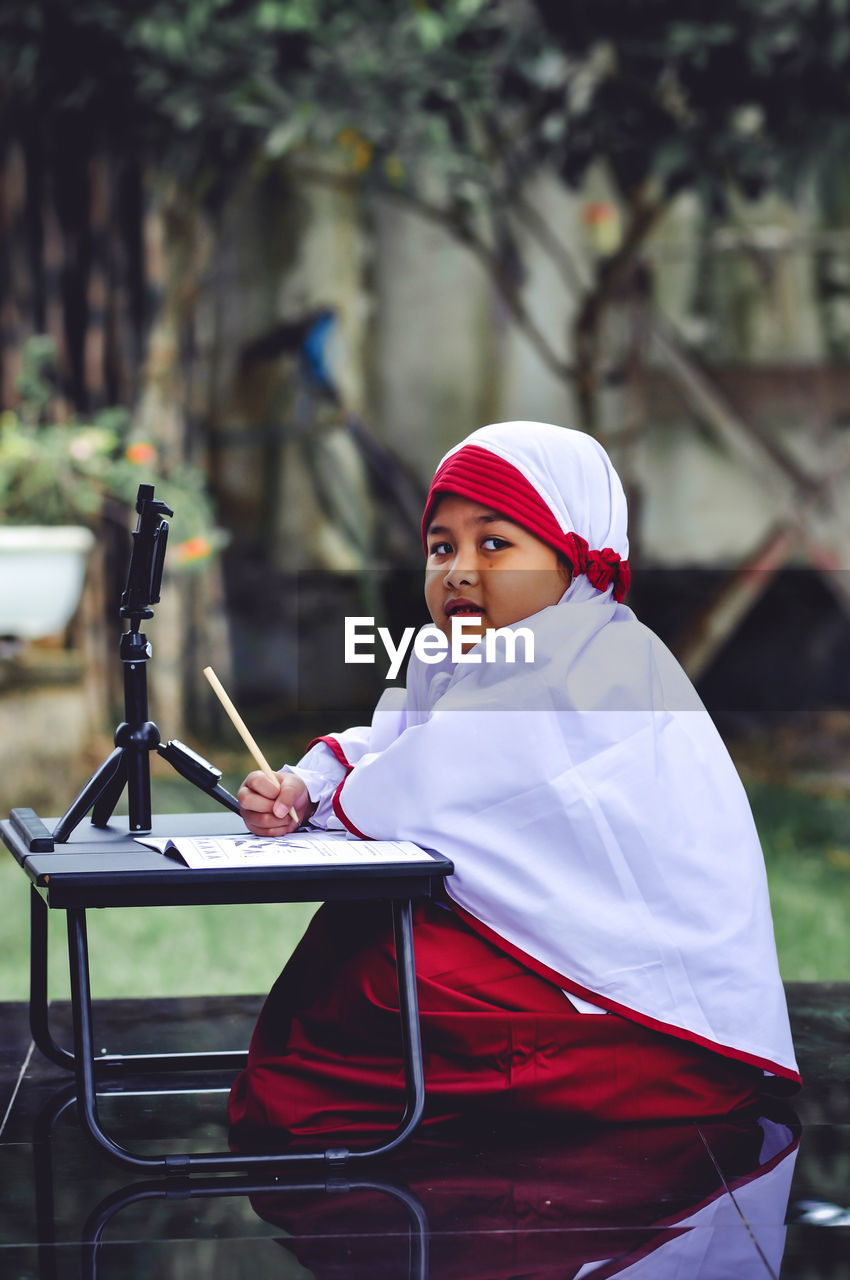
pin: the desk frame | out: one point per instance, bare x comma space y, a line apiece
59, 887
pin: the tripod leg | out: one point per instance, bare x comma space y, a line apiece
108, 798
101, 779
138, 766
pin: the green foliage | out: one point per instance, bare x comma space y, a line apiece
64, 472
52, 472
54, 475
206, 86
453, 105
745, 92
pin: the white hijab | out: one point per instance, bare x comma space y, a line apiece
595, 820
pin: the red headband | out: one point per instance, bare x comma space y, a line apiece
482, 476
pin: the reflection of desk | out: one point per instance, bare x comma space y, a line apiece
480, 1198
107, 868
212, 1188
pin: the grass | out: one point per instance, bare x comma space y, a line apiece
806, 842
240, 949
206, 950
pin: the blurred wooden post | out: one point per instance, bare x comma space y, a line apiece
709, 631
804, 500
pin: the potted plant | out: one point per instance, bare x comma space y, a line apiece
57, 480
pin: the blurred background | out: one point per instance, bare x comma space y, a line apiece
276, 256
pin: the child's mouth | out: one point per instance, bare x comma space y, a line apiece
463, 610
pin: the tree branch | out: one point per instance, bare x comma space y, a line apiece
612, 275
546, 239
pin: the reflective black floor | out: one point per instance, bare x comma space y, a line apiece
761, 1197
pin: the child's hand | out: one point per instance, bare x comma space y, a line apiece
266, 811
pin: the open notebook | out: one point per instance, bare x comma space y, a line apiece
301, 849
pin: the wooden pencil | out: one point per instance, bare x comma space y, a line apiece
244, 732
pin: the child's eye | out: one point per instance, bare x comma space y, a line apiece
440, 549
494, 543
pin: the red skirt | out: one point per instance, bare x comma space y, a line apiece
325, 1058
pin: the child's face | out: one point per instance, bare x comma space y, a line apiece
482, 565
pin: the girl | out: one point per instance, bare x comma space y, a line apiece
605, 948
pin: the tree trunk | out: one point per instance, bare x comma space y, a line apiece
614, 274
186, 632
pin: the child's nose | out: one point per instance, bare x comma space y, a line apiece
463, 570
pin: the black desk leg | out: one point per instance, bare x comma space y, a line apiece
107, 1063
39, 1019
78, 957
411, 1032
225, 1162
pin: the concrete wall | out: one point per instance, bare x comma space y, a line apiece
426, 352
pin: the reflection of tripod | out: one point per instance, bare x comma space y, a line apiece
129, 764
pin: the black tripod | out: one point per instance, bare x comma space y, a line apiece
129, 764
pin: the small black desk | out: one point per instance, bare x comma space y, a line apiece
108, 868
